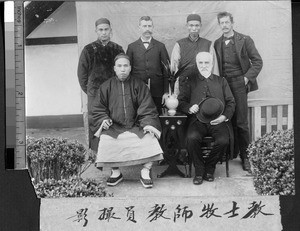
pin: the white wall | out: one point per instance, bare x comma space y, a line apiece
52, 86
51, 81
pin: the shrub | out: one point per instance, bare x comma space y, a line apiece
272, 161
56, 158
72, 187
56, 165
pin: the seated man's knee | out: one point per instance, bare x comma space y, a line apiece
222, 141
193, 136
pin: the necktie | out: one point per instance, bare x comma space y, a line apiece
146, 44
229, 39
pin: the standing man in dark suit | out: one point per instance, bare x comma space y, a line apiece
240, 63
95, 66
147, 56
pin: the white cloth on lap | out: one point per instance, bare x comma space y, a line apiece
128, 149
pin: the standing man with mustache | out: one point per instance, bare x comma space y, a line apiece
240, 63
96, 64
147, 56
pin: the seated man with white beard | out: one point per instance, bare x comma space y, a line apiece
207, 100
126, 119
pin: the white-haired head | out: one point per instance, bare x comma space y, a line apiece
204, 61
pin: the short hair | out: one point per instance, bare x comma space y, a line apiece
145, 18
224, 14
121, 55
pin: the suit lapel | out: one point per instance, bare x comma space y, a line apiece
151, 45
238, 43
218, 45
141, 45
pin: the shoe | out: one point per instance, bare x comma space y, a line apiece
246, 165
209, 177
113, 181
147, 183
198, 180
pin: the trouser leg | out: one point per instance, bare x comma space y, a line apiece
240, 117
242, 128
220, 134
195, 134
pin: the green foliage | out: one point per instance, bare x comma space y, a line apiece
72, 187
54, 157
272, 161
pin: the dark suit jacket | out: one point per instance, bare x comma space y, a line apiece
250, 60
146, 63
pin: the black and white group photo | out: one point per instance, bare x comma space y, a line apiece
192, 98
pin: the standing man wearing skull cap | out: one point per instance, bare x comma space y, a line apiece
240, 63
208, 102
95, 66
186, 49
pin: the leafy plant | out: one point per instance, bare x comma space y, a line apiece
272, 160
72, 187
56, 165
56, 158
172, 75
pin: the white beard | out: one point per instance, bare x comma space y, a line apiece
205, 74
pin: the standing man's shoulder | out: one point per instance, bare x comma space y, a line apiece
218, 40
157, 42
90, 46
132, 48
241, 36
182, 40
204, 39
134, 43
115, 45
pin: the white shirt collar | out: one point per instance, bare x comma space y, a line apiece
143, 40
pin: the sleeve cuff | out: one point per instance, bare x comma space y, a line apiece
156, 132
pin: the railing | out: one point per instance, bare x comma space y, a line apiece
265, 119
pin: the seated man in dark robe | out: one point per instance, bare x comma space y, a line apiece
207, 100
126, 120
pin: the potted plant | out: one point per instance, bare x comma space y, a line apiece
171, 102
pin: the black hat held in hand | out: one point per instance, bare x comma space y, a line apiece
209, 109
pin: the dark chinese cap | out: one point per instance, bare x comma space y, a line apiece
102, 21
193, 17
121, 55
209, 109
